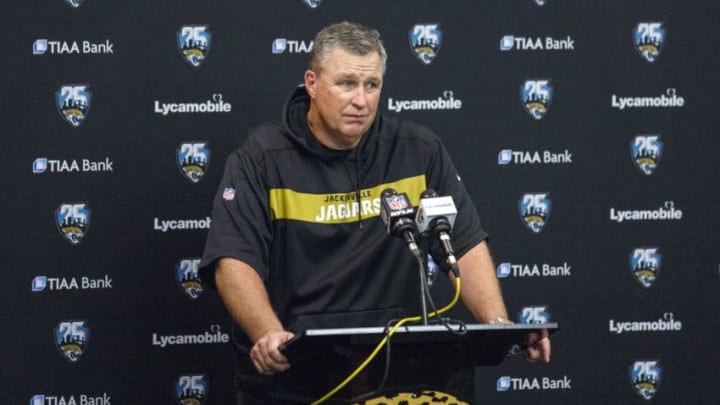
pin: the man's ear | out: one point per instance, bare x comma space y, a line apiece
310, 82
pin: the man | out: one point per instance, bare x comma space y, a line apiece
296, 241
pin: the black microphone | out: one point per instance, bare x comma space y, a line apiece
436, 217
397, 213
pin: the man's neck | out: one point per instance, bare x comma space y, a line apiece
313, 120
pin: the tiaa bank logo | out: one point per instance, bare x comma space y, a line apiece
645, 263
425, 41
191, 389
193, 159
188, 277
536, 96
649, 39
73, 102
534, 209
312, 3
534, 315
72, 338
646, 151
645, 377
193, 42
74, 3
72, 221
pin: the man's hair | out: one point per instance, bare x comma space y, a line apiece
354, 38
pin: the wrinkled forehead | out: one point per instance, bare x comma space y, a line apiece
341, 63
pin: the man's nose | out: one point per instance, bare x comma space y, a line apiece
359, 98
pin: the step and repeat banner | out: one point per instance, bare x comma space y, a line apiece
585, 132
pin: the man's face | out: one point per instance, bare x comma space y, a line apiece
345, 96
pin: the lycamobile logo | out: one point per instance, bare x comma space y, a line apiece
444, 102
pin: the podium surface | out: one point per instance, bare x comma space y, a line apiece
481, 344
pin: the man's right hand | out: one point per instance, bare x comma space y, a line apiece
266, 355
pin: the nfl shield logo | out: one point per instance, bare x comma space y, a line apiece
193, 42
192, 159
540, 2
397, 202
536, 96
71, 339
73, 103
649, 39
535, 210
191, 389
72, 221
645, 376
228, 194
646, 151
645, 263
425, 41
188, 277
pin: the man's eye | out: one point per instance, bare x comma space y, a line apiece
372, 86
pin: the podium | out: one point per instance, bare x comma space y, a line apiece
421, 355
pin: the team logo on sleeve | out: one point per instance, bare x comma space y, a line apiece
646, 152
645, 263
649, 39
188, 277
191, 389
193, 41
535, 210
73, 220
71, 339
73, 102
534, 314
312, 3
425, 41
645, 376
536, 96
74, 3
192, 159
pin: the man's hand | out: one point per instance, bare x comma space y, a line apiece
265, 353
537, 346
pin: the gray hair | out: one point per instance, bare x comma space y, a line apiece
351, 37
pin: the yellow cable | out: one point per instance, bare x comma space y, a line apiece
375, 352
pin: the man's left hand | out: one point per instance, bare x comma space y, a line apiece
537, 346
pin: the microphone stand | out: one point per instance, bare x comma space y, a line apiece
423, 288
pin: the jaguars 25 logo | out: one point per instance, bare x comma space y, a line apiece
312, 3
646, 151
534, 210
645, 377
425, 41
74, 3
649, 39
73, 103
193, 42
191, 389
72, 338
534, 315
188, 277
72, 221
536, 96
645, 263
193, 159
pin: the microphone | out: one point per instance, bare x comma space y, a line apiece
436, 217
397, 213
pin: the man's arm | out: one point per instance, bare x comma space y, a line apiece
246, 298
480, 291
480, 288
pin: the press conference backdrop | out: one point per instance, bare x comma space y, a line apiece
585, 131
